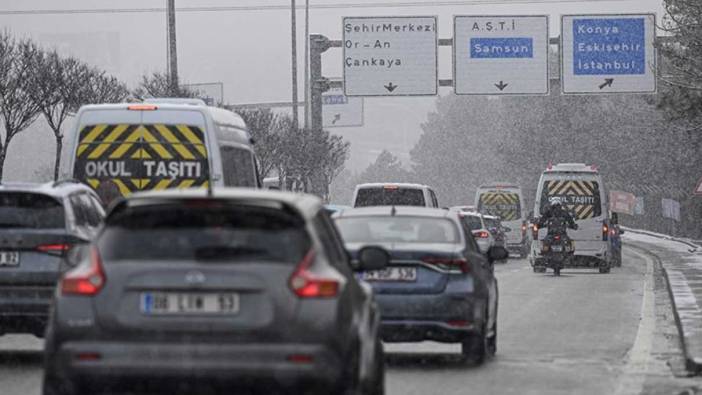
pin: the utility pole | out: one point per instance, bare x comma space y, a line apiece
307, 64
172, 48
318, 45
293, 34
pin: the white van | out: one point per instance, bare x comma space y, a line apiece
394, 194
119, 149
504, 200
584, 194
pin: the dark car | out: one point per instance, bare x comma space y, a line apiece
234, 288
438, 285
39, 224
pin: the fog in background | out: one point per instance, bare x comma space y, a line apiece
249, 52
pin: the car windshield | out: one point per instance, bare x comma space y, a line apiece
30, 210
390, 197
181, 233
397, 229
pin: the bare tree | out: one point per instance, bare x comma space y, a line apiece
158, 85
99, 87
267, 129
57, 84
18, 110
682, 97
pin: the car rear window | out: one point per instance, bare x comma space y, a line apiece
491, 223
383, 229
30, 210
390, 197
472, 222
181, 232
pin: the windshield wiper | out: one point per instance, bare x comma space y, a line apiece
220, 252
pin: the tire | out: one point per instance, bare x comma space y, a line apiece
377, 385
53, 386
557, 271
474, 349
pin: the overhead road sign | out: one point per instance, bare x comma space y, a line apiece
500, 55
390, 56
339, 110
608, 54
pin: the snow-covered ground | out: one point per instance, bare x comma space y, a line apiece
682, 262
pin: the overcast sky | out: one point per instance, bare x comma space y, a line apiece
249, 50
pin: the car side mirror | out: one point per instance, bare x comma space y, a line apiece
497, 253
621, 231
372, 258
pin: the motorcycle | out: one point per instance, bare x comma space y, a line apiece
557, 249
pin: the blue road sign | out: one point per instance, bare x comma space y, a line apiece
609, 46
334, 99
603, 54
501, 48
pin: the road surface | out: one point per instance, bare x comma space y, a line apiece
582, 333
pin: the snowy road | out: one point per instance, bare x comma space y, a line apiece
582, 333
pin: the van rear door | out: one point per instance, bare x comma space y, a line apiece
122, 151
583, 198
506, 204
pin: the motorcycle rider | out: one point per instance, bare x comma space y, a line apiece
556, 218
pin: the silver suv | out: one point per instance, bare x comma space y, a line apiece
39, 225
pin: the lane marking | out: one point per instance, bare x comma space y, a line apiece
633, 377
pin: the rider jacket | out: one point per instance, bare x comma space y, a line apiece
556, 219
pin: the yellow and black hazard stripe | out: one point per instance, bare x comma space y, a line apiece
501, 203
576, 188
131, 145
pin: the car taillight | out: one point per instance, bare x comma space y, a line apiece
306, 284
481, 234
605, 232
86, 279
449, 264
535, 231
524, 229
59, 247
557, 237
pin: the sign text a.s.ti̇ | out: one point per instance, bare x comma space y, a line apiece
390, 56
501, 55
608, 54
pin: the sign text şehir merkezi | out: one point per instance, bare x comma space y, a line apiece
388, 27
607, 46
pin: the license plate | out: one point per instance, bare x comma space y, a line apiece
163, 303
557, 248
9, 258
401, 274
